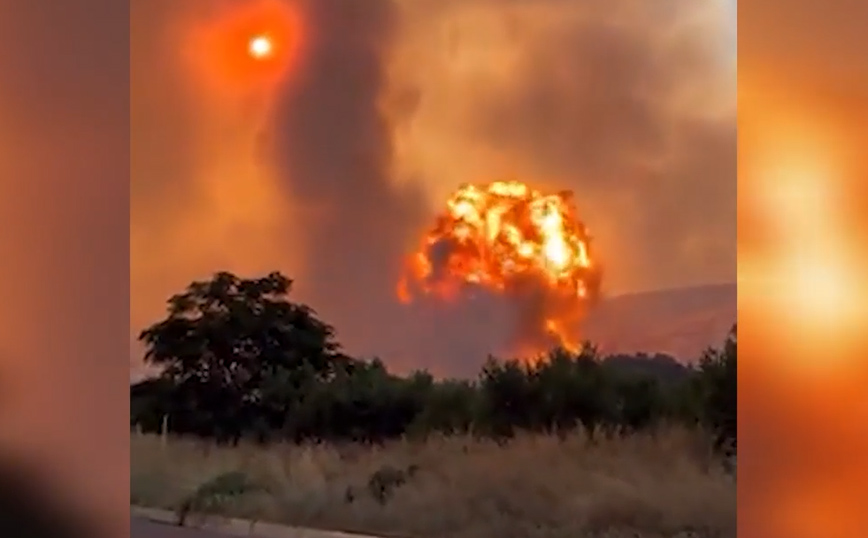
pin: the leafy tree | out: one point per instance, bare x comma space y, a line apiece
507, 394
641, 403
226, 340
149, 404
451, 407
719, 388
570, 389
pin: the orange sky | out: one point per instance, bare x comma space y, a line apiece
330, 174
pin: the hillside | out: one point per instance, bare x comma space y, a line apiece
680, 322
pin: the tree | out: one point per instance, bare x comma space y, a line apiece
506, 394
640, 403
719, 386
452, 407
223, 345
570, 390
149, 401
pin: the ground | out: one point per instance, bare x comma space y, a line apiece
534, 487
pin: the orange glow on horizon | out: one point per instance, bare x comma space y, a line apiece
247, 48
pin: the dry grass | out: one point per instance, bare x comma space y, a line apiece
534, 487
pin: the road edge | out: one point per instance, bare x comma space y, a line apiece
241, 527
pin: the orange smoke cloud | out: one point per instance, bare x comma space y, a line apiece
248, 47
508, 238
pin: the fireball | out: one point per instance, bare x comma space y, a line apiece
508, 238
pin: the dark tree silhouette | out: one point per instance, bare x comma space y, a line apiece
719, 386
227, 342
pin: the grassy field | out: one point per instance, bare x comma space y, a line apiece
534, 487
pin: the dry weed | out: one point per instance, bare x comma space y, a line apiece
534, 487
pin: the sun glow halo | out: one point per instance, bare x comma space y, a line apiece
246, 48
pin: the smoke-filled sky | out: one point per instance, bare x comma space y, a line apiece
330, 174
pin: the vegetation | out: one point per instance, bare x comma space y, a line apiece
534, 486
242, 365
239, 360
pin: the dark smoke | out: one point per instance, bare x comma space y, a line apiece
595, 112
439, 253
334, 148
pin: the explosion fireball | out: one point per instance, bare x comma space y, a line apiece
514, 241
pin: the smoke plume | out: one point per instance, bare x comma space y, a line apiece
334, 152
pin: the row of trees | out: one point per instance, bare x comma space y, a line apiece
239, 360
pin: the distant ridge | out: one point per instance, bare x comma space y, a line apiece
680, 322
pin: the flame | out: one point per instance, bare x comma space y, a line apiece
502, 236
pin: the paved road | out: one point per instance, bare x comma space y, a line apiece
142, 528
145, 526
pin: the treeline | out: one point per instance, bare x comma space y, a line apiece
240, 361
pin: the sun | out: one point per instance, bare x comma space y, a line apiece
260, 46
247, 46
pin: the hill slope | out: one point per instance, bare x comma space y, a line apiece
680, 322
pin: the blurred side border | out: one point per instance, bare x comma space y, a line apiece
802, 260
64, 263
